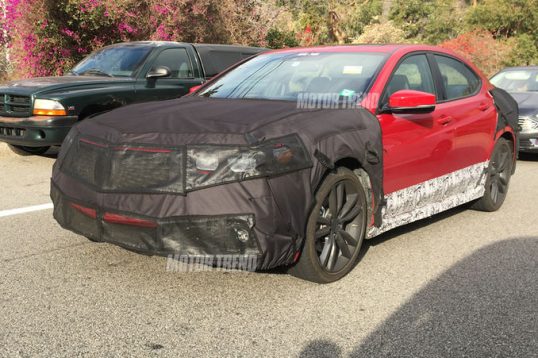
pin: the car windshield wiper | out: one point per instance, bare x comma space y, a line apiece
96, 72
72, 73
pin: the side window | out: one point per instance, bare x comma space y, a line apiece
458, 80
412, 73
177, 60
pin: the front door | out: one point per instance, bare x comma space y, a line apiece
179, 82
416, 146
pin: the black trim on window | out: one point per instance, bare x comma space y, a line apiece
174, 48
384, 100
440, 78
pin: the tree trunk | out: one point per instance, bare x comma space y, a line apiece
387, 5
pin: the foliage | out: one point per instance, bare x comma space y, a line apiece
512, 20
430, 21
505, 18
525, 51
481, 48
278, 39
361, 14
51, 44
384, 33
45, 37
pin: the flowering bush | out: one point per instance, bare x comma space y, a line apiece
482, 49
47, 37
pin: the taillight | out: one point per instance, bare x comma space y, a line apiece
126, 220
92, 213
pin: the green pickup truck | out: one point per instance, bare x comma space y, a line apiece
38, 113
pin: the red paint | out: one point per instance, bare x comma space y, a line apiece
92, 213
194, 88
420, 147
126, 220
87, 141
410, 98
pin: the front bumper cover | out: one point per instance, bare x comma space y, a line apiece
35, 131
187, 235
528, 142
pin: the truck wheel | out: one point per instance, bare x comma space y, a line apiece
335, 230
499, 173
22, 150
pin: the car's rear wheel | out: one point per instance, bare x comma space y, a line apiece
498, 177
23, 150
335, 230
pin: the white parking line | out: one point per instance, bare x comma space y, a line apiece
25, 210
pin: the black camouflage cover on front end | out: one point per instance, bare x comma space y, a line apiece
137, 161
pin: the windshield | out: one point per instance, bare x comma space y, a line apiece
113, 61
283, 76
517, 80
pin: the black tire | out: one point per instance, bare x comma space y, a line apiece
22, 150
332, 244
498, 177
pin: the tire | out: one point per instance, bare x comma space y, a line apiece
332, 244
499, 173
22, 150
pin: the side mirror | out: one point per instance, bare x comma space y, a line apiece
411, 102
158, 72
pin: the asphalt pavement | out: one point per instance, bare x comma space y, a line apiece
463, 283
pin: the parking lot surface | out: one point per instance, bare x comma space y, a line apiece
463, 283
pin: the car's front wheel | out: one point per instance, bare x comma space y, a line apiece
23, 150
335, 230
498, 177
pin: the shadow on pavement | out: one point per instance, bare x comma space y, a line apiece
486, 305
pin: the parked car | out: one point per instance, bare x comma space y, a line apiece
37, 113
274, 158
522, 84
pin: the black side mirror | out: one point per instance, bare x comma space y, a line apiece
158, 72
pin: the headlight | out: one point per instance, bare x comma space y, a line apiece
209, 165
47, 107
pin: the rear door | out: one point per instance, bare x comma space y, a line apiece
416, 146
181, 79
470, 107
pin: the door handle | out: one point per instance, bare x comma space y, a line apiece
483, 106
445, 120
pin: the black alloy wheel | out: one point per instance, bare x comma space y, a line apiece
335, 230
499, 173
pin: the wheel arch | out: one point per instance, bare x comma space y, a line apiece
352, 163
96, 108
510, 136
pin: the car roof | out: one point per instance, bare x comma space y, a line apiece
383, 48
174, 43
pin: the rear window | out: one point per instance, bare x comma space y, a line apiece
216, 60
458, 80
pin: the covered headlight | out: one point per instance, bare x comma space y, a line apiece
529, 124
47, 107
209, 165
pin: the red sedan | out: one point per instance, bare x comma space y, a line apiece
292, 157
